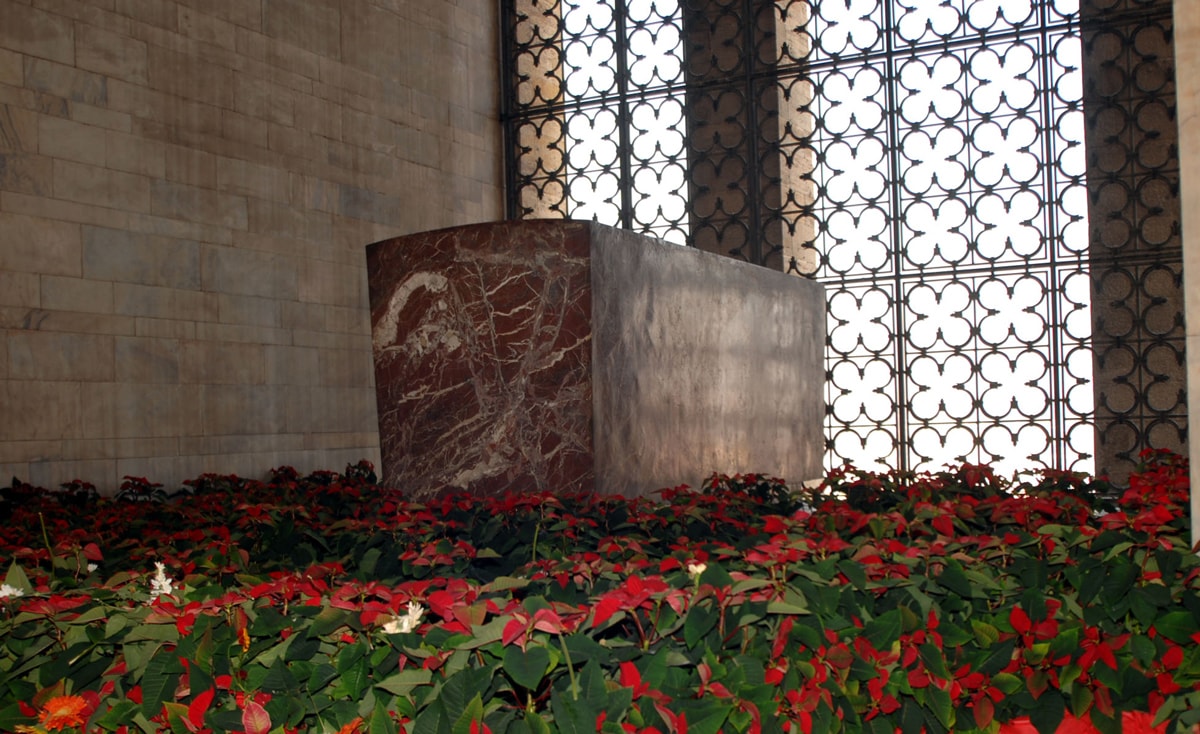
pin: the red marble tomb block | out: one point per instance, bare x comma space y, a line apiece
564, 355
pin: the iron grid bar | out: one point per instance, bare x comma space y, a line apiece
1051, 266
894, 184
623, 117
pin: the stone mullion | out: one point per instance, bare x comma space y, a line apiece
1135, 250
746, 167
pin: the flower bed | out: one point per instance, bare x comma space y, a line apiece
945, 602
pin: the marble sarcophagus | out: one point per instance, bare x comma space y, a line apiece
569, 356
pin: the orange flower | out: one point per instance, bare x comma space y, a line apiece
61, 712
352, 727
244, 639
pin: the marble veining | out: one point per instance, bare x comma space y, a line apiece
571, 356
482, 345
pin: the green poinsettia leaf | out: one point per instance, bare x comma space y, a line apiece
792, 602
329, 619
750, 584
159, 680
1168, 563
177, 714
880, 725
350, 656
715, 575
534, 724
700, 620
585, 649
320, 677
473, 713
1081, 700
353, 679
573, 715
1105, 724
280, 678
506, 583
706, 715
884, 629
456, 692
121, 713
11, 717
986, 634
1120, 576
17, 579
366, 564
854, 572
153, 632
1178, 626
301, 648
91, 615
998, 657
912, 721
933, 656
381, 721
402, 683
955, 580
1066, 642
526, 667
1048, 713
484, 634
274, 653
942, 706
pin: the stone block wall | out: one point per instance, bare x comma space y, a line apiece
186, 189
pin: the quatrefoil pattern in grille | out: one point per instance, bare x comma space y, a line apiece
987, 188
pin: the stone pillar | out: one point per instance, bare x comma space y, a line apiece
747, 155
1187, 71
1134, 211
561, 355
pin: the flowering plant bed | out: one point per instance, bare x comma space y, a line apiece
877, 603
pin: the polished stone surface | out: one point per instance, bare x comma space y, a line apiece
701, 364
567, 355
482, 342
1187, 74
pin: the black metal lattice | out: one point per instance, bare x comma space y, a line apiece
988, 189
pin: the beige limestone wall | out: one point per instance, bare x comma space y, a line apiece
1187, 78
186, 189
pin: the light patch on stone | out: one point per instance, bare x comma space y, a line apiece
388, 324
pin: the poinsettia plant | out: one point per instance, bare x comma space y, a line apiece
951, 601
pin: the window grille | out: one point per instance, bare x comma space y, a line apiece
987, 188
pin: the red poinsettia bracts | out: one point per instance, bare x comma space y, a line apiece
955, 601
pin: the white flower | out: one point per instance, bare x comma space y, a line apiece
92, 567
7, 591
695, 569
407, 623
161, 583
